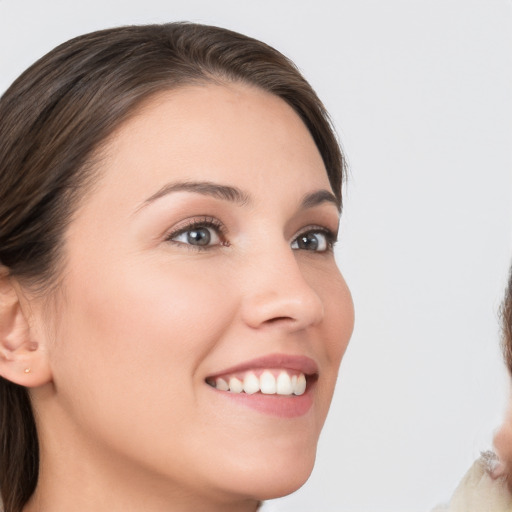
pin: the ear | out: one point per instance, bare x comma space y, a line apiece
23, 360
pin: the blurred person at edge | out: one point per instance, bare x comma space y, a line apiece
487, 486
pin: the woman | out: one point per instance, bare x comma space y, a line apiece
487, 485
172, 318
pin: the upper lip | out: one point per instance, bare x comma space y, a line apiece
301, 364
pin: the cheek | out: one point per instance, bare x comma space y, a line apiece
336, 330
339, 315
128, 359
133, 332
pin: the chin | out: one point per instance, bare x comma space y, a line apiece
284, 485
278, 477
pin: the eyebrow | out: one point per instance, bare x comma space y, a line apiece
319, 197
206, 188
234, 194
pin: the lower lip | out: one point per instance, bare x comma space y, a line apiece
282, 406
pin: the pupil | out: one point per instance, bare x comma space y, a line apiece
308, 242
199, 236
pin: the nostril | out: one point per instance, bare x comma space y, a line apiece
280, 319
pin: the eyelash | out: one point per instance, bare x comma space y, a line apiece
219, 228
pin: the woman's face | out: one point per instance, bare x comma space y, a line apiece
201, 258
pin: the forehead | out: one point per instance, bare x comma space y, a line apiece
230, 133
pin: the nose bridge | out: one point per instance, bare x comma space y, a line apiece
278, 291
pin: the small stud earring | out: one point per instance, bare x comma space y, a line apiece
27, 370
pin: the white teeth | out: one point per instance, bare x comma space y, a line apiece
268, 383
222, 385
284, 384
251, 384
300, 387
235, 385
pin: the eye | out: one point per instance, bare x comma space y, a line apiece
199, 233
318, 240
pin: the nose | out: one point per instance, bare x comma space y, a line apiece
278, 293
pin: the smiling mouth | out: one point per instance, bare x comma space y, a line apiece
264, 381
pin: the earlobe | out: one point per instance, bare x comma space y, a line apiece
22, 359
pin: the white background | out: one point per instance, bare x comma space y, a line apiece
421, 94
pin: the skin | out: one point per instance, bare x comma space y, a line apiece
125, 417
503, 445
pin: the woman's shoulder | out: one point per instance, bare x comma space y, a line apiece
478, 491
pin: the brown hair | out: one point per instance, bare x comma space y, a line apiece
54, 118
506, 315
